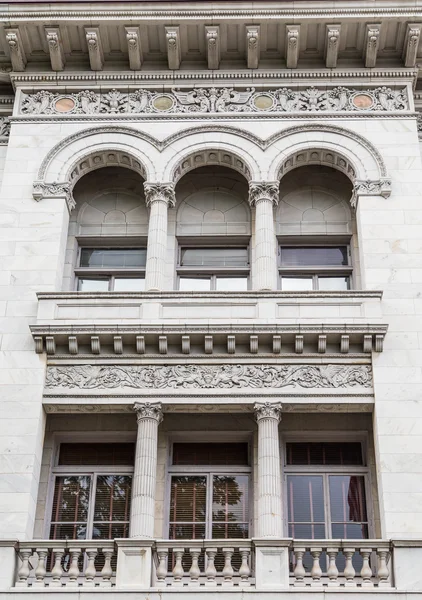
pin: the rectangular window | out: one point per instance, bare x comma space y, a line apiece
210, 454
305, 268
111, 269
213, 268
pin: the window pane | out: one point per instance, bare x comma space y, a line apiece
347, 498
129, 284
324, 453
305, 498
188, 507
238, 284
113, 257
313, 256
97, 284
112, 505
230, 506
210, 454
307, 531
195, 284
333, 283
214, 257
296, 284
70, 507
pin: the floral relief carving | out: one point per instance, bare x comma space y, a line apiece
230, 376
148, 410
218, 100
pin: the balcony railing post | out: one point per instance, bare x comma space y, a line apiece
106, 571
228, 571
178, 570
90, 570
211, 571
299, 570
366, 571
332, 571
73, 572
316, 571
194, 571
349, 570
134, 563
272, 563
57, 571
161, 571
383, 570
245, 569
40, 570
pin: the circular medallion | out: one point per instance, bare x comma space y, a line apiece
263, 102
362, 101
64, 105
163, 103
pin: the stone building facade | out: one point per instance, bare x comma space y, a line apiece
211, 299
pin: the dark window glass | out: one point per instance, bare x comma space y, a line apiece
214, 257
324, 453
112, 506
188, 507
70, 507
210, 454
230, 517
97, 454
113, 258
313, 256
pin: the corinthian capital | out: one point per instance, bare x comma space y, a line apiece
267, 410
263, 190
148, 410
160, 192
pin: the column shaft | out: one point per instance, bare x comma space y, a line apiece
265, 264
157, 246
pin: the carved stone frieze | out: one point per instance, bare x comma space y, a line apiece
216, 100
229, 376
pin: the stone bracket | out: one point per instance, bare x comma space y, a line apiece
134, 47
371, 44
370, 187
411, 44
332, 45
56, 189
212, 41
292, 45
253, 45
55, 47
95, 49
17, 52
174, 51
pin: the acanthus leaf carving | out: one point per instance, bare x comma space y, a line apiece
229, 376
149, 410
268, 410
263, 190
159, 192
53, 190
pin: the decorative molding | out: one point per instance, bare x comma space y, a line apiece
292, 46
17, 52
263, 190
95, 49
228, 376
318, 156
149, 410
253, 45
159, 192
371, 45
55, 47
267, 410
332, 45
212, 43
211, 157
4, 129
174, 51
411, 44
134, 47
43, 190
216, 100
381, 187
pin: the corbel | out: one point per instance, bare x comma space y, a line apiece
367, 343
208, 344
73, 344
253, 45
55, 47
322, 344
372, 41
212, 41
17, 53
95, 48
174, 52
185, 344
118, 344
140, 344
344, 344
50, 345
411, 44
276, 344
292, 45
231, 344
332, 44
299, 344
134, 48
162, 344
253, 344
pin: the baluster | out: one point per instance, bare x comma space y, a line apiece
299, 570
366, 571
244, 570
211, 571
332, 570
349, 570
228, 569
73, 572
161, 572
194, 571
107, 570
41, 570
383, 570
57, 571
90, 570
316, 571
24, 569
178, 571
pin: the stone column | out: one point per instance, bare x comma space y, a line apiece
270, 524
263, 196
159, 196
142, 513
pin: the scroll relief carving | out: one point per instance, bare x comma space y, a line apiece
216, 100
207, 377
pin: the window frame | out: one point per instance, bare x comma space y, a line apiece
196, 272
316, 271
326, 471
108, 272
